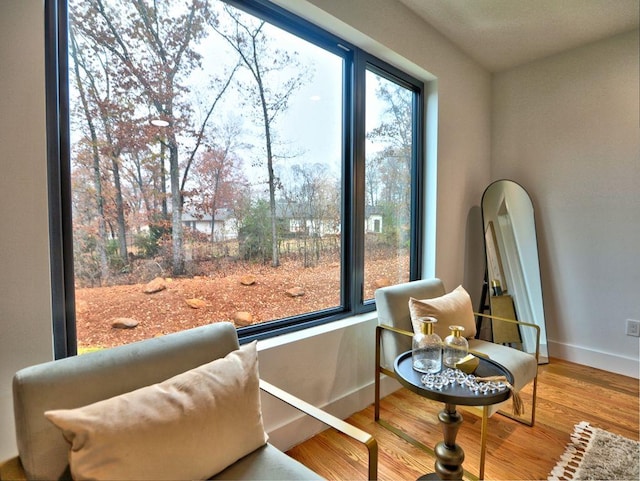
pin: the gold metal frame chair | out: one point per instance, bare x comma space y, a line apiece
82, 380
486, 410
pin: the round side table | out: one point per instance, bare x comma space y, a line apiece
449, 455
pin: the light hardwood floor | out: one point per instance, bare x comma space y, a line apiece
567, 394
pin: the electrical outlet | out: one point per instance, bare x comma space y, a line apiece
633, 328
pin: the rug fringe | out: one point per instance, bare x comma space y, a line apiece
594, 453
566, 467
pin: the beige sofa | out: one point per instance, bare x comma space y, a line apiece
115, 373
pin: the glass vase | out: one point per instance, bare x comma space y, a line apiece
456, 347
426, 350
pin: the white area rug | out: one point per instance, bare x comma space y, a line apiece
598, 455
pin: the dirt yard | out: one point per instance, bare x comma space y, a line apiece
219, 297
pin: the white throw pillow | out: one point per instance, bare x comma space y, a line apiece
190, 426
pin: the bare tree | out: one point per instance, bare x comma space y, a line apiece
389, 166
155, 53
270, 89
394, 132
314, 202
219, 172
95, 155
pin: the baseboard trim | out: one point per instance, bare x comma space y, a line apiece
598, 359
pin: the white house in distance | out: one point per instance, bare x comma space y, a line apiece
225, 228
293, 216
372, 221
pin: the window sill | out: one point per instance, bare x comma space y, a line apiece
293, 337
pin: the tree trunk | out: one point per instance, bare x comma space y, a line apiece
275, 258
122, 227
163, 182
176, 209
101, 241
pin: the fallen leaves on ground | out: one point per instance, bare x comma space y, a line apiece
203, 299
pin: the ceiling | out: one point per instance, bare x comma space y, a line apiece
500, 34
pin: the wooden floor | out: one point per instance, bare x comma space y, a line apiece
567, 394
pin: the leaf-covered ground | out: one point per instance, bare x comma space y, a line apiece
220, 294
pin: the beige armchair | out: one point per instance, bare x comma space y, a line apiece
152, 380
393, 337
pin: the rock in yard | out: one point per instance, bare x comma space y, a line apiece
248, 280
196, 303
295, 292
156, 285
242, 318
124, 323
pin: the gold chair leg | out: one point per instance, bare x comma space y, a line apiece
483, 439
532, 417
376, 404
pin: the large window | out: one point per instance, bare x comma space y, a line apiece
227, 161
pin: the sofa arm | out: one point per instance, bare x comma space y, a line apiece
11, 469
330, 420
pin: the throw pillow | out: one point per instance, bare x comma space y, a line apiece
190, 426
452, 309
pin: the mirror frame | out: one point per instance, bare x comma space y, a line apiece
510, 229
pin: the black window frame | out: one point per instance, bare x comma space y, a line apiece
356, 63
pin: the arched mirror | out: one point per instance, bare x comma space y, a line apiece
513, 268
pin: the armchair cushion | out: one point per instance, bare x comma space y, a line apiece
452, 309
190, 426
522, 365
267, 463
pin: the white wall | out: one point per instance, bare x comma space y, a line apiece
326, 366
567, 129
25, 292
